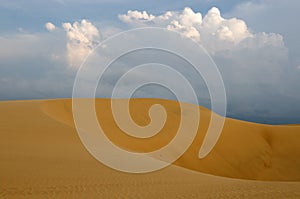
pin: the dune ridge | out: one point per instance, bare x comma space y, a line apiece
41, 156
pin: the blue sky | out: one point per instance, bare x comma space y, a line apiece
260, 65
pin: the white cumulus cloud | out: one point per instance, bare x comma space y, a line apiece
133, 16
50, 26
82, 37
213, 31
187, 23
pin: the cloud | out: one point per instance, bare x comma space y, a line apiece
187, 23
236, 49
273, 16
50, 26
135, 15
31, 68
82, 37
213, 31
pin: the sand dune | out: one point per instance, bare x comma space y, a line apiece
41, 156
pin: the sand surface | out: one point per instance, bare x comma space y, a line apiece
41, 156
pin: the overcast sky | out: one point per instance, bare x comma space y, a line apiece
255, 45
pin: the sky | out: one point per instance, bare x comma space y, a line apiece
255, 45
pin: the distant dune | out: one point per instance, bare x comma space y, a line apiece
42, 156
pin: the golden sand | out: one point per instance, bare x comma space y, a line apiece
42, 156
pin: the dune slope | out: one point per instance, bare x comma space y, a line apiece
41, 156
244, 150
